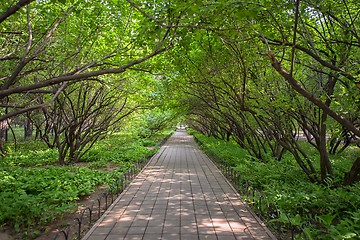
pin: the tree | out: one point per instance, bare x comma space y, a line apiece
317, 44
83, 114
38, 60
325, 36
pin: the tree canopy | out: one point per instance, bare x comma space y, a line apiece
263, 73
276, 81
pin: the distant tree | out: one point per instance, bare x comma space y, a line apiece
82, 114
313, 46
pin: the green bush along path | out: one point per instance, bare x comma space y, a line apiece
323, 211
35, 190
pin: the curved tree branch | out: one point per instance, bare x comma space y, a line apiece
77, 77
13, 9
297, 87
313, 55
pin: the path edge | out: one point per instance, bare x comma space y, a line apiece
110, 208
268, 232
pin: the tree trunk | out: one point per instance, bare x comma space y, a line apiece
353, 176
3, 136
279, 151
28, 128
325, 165
62, 155
2, 148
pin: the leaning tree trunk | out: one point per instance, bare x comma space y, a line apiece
28, 128
325, 165
3, 136
353, 176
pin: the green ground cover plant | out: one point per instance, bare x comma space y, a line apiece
34, 196
34, 189
35, 155
323, 212
117, 149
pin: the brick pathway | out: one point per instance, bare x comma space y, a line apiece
179, 195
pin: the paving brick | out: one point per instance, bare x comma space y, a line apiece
156, 223
134, 237
179, 195
114, 237
206, 230
135, 230
207, 237
119, 230
170, 236
97, 237
154, 230
229, 236
171, 229
150, 236
188, 230
102, 230
139, 222
189, 236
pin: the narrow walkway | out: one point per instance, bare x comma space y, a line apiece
180, 194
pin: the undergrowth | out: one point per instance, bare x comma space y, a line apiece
34, 189
324, 212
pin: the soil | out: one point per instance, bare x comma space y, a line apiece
82, 212
5, 236
49, 231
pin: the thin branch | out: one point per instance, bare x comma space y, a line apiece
32, 108
146, 15
145, 70
297, 3
313, 55
25, 60
30, 40
94, 63
11, 32
9, 57
10, 106
24, 110
47, 37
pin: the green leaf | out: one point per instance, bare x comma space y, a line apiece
326, 219
296, 221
